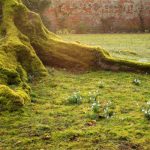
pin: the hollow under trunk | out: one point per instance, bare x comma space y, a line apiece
26, 46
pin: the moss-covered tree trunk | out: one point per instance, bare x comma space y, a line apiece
26, 46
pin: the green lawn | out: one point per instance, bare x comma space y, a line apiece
51, 122
128, 46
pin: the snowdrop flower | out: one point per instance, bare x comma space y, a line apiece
148, 103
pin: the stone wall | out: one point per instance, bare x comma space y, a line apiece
84, 16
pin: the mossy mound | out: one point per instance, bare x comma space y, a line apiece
25, 45
18, 60
12, 100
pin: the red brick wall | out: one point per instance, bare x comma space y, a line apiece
99, 15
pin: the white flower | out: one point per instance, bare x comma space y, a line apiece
148, 103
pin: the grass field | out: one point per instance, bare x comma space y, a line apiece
128, 46
55, 121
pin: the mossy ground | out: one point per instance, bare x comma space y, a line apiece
50, 123
26, 46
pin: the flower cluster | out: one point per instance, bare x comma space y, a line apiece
146, 110
95, 107
102, 111
107, 112
101, 85
75, 98
136, 81
93, 96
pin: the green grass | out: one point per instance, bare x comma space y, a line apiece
49, 122
128, 46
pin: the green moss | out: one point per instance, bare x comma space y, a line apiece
26, 45
10, 99
17, 59
53, 124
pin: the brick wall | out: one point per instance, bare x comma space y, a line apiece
99, 15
